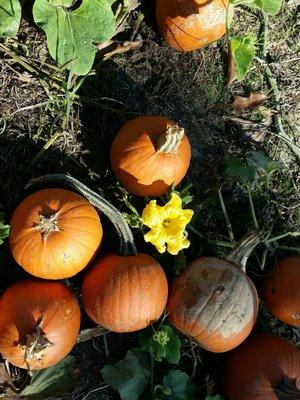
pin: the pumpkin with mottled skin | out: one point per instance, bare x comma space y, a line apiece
39, 323
54, 233
282, 291
149, 154
125, 294
191, 24
264, 367
214, 302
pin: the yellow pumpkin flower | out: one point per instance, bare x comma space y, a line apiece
167, 225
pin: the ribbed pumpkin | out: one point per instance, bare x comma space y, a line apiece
149, 154
125, 294
54, 233
265, 367
282, 291
191, 24
214, 302
39, 323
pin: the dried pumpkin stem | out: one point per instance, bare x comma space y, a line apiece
169, 141
36, 344
127, 246
48, 224
242, 250
287, 390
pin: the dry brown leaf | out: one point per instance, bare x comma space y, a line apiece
248, 103
232, 75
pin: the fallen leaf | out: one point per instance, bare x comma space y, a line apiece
232, 75
248, 103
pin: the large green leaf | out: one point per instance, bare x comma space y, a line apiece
243, 173
55, 381
129, 376
10, 17
178, 386
270, 6
243, 52
71, 34
163, 344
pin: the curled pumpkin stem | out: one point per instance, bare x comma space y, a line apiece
243, 249
127, 246
287, 389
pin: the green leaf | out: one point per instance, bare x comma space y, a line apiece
178, 386
243, 173
4, 229
129, 376
71, 34
58, 380
163, 343
269, 6
10, 17
260, 161
216, 397
243, 52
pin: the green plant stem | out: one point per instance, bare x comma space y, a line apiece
275, 238
294, 249
210, 241
272, 82
152, 372
227, 220
254, 219
263, 258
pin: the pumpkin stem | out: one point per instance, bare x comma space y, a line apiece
169, 141
36, 344
287, 389
127, 246
242, 250
47, 224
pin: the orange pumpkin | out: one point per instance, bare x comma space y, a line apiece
39, 323
191, 24
265, 367
125, 294
214, 302
282, 291
149, 154
54, 233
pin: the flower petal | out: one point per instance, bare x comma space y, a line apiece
152, 215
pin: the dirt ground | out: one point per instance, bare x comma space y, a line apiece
190, 88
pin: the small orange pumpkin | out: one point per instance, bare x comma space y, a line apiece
214, 302
39, 323
191, 24
264, 367
282, 291
125, 294
149, 154
54, 233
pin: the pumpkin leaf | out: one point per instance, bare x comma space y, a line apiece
243, 52
260, 161
177, 385
10, 17
269, 6
71, 34
58, 380
129, 376
163, 343
4, 229
243, 173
